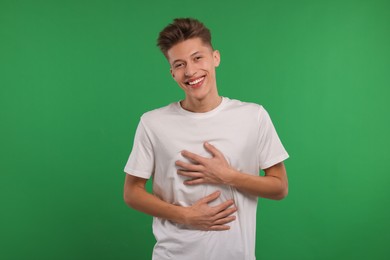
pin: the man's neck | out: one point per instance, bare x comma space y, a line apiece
201, 106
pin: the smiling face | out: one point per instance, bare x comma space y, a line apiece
193, 66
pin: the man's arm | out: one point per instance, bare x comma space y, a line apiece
199, 216
273, 185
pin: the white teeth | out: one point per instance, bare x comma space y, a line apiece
196, 81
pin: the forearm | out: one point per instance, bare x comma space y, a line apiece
199, 216
216, 170
269, 186
139, 199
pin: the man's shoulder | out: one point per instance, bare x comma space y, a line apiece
157, 113
244, 105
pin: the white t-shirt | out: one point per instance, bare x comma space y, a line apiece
244, 133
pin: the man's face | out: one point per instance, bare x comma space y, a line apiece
193, 66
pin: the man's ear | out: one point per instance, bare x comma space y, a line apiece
217, 58
172, 74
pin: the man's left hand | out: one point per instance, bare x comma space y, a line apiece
206, 170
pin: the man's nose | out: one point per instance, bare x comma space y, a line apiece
190, 70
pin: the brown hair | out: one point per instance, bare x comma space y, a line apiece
180, 30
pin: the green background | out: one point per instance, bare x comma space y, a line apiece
75, 76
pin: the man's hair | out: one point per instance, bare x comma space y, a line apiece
180, 30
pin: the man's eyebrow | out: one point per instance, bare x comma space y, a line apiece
193, 54
176, 61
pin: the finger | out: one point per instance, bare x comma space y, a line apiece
190, 174
219, 228
189, 166
226, 213
210, 197
195, 181
224, 221
211, 148
223, 206
193, 156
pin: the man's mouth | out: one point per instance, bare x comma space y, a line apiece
196, 82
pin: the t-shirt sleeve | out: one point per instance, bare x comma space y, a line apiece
271, 150
141, 159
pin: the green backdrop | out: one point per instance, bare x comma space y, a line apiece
75, 76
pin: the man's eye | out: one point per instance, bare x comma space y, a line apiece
198, 57
178, 65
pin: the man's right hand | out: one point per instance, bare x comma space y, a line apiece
201, 216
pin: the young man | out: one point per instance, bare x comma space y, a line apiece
204, 154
